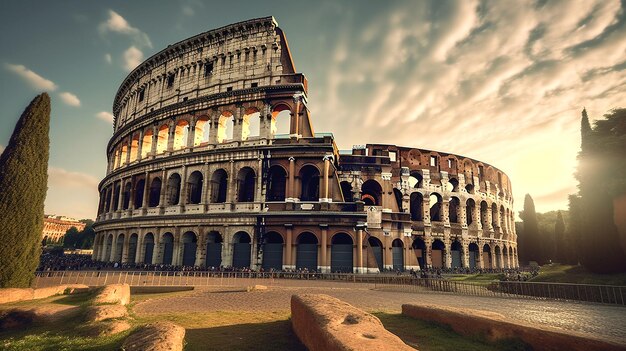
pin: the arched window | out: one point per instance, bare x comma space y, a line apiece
162, 138
346, 190
416, 180
181, 133
139, 188
453, 185
436, 203
116, 196
134, 148
246, 185
251, 124
124, 154
219, 186
310, 183
225, 127
281, 120
194, 187
470, 206
155, 192
146, 143
202, 129
372, 193
453, 207
276, 183
417, 207
126, 199
484, 219
173, 189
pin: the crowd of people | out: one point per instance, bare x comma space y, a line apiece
73, 262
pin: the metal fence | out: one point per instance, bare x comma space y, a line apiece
606, 294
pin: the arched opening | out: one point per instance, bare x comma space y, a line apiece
438, 250
436, 203
416, 207
484, 219
214, 250
246, 185
341, 253
132, 248
397, 194
173, 189
201, 131
306, 251
454, 206
251, 124
116, 159
168, 248
494, 215
181, 133
505, 257
487, 257
272, 251
452, 185
310, 183
148, 248
109, 249
502, 218
456, 253
139, 188
119, 248
162, 138
134, 148
498, 257
124, 154
116, 196
470, 207
281, 120
416, 180
242, 248
473, 255
126, 199
225, 127
146, 143
190, 245
155, 192
108, 199
469, 188
377, 249
276, 183
397, 250
419, 247
219, 186
346, 191
194, 187
372, 193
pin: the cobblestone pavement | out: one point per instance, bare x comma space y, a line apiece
598, 321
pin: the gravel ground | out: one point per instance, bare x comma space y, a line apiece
598, 321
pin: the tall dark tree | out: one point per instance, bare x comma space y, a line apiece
23, 186
561, 243
531, 249
574, 230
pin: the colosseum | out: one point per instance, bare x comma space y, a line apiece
214, 162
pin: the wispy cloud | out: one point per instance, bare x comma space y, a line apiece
33, 79
69, 99
105, 116
108, 59
118, 24
132, 58
72, 194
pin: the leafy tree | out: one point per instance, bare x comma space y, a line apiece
23, 186
71, 238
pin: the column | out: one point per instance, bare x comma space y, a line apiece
182, 197
230, 196
140, 145
359, 250
448, 258
157, 256
155, 140
325, 197
141, 250
324, 264
288, 264
131, 200
238, 123
205, 185
163, 190
146, 190
200, 249
463, 214
120, 198
191, 134
213, 126
445, 212
291, 180
130, 144
295, 128
258, 195
171, 134
125, 247
465, 247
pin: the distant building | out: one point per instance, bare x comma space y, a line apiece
55, 227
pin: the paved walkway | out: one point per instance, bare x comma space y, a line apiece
597, 321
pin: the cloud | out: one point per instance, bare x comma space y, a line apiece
1, 149
71, 194
118, 24
108, 58
69, 99
188, 11
132, 58
105, 116
36, 81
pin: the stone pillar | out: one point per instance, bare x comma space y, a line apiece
359, 250
200, 249
191, 134
140, 251
238, 123
140, 145
182, 199
163, 189
465, 247
463, 214
125, 247
130, 145
325, 194
157, 256
295, 117
258, 194
120, 198
231, 195
131, 200
445, 212
324, 265
448, 256
146, 190
291, 180
288, 264
205, 185
227, 248
155, 140
266, 122
171, 134
213, 127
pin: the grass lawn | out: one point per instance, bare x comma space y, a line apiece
558, 273
479, 278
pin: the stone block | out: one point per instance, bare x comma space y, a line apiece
104, 312
113, 294
159, 336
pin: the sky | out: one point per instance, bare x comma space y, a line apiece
500, 81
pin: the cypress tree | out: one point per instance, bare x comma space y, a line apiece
532, 245
561, 242
23, 186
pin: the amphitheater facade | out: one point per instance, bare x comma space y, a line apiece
214, 162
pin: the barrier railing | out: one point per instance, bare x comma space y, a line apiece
606, 294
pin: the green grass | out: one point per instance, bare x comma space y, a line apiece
558, 273
428, 336
479, 278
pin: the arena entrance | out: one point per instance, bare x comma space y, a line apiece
437, 252
168, 248
473, 255
341, 253
190, 245
241, 250
456, 254
214, 250
306, 251
119, 248
419, 247
148, 248
398, 255
273, 251
487, 257
377, 249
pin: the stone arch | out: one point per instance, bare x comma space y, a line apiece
437, 253
377, 248
397, 255
225, 126
419, 247
146, 143
148, 243
276, 183
454, 209
124, 154
474, 255
246, 184
189, 242
281, 119
452, 185
416, 206
162, 139
119, 248
416, 180
397, 194
108, 256
251, 123
117, 189
306, 251
372, 193
346, 191
173, 189
341, 258
155, 192
140, 185
127, 192
242, 248
181, 133
487, 261
167, 241
484, 217
436, 207
201, 131
132, 247
214, 249
134, 147
497, 257
219, 186
273, 243
470, 207
194, 187
456, 254
309, 183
